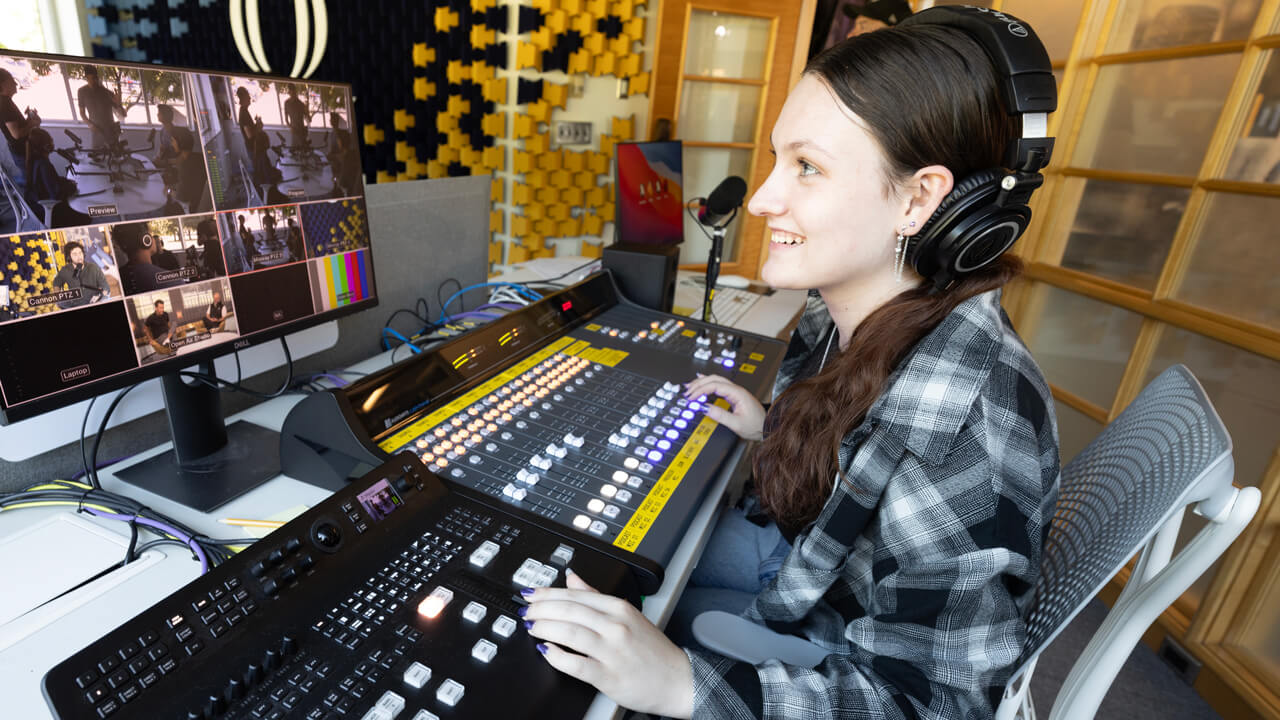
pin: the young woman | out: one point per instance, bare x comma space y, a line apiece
909, 461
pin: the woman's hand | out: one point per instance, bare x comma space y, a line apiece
745, 415
606, 642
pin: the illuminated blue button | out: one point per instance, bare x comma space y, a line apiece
681, 424
664, 444
695, 406
655, 456
672, 434
687, 414
728, 363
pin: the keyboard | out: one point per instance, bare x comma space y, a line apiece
727, 307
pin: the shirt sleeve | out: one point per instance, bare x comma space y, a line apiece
921, 621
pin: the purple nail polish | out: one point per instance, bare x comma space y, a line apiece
528, 624
522, 610
542, 648
526, 592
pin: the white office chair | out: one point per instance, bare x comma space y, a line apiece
1125, 493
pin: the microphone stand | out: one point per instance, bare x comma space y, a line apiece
713, 265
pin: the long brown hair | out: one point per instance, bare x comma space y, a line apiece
928, 95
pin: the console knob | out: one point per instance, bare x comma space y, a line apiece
401, 484
271, 660
293, 546
234, 691
328, 535
288, 646
257, 569
215, 706
736, 342
275, 557
305, 563
252, 675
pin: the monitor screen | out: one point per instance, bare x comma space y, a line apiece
650, 195
155, 217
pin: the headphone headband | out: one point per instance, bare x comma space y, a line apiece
1026, 74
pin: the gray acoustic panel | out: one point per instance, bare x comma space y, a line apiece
423, 232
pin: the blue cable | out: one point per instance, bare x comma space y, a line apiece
522, 290
396, 334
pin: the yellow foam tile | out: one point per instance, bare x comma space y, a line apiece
495, 158
594, 43
516, 254
542, 38
604, 64
573, 7
447, 155
545, 226
579, 62
481, 73
445, 19
545, 6
437, 169
471, 157
584, 179
629, 65
423, 54
623, 128
495, 220
559, 178
522, 194
459, 140
524, 126
620, 45
552, 160
634, 29
521, 225
606, 145
555, 95
494, 124
415, 169
457, 72
535, 178
582, 22
598, 163
403, 120
598, 8
372, 135
534, 241
495, 252
640, 84
404, 151
537, 143
523, 162
496, 190
624, 9
423, 89
548, 195
535, 211
544, 253
528, 57
606, 212
570, 227
458, 106
482, 36
557, 20
595, 197
384, 177
572, 196
495, 90
540, 111
592, 225
445, 123
574, 161
479, 6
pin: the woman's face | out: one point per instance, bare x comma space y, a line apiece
832, 221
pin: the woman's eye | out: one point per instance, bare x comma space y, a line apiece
806, 168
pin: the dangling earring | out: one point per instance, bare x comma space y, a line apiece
900, 253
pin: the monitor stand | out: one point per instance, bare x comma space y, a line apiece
211, 463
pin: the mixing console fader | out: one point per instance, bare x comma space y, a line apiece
571, 409
396, 598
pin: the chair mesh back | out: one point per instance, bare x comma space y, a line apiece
1117, 493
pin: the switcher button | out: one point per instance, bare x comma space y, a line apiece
597, 528
484, 650
581, 522
424, 715
562, 555
450, 692
433, 604
417, 675
474, 612
595, 505
391, 703
504, 626
619, 476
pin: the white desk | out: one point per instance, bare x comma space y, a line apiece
33, 643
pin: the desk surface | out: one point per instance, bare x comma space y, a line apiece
34, 642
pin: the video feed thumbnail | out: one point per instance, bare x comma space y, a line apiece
272, 297
181, 320
101, 143
64, 350
343, 279
650, 195
279, 142
335, 227
261, 238
164, 253
57, 270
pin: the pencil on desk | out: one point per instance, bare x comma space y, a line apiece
252, 523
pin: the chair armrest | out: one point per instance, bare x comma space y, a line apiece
737, 638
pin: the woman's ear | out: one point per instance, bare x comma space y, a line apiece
925, 191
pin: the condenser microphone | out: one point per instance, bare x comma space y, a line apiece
723, 203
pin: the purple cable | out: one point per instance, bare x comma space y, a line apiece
336, 380
162, 527
502, 305
473, 313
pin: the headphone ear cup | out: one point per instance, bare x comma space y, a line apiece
962, 233
147, 240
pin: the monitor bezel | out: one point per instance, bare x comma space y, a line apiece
10, 414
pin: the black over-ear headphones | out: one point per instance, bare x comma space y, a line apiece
986, 212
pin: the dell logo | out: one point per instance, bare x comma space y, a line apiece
246, 30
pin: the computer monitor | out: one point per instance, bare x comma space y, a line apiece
156, 218
649, 193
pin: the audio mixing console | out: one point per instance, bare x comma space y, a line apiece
395, 598
571, 408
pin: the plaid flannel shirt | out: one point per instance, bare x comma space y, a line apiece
918, 570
